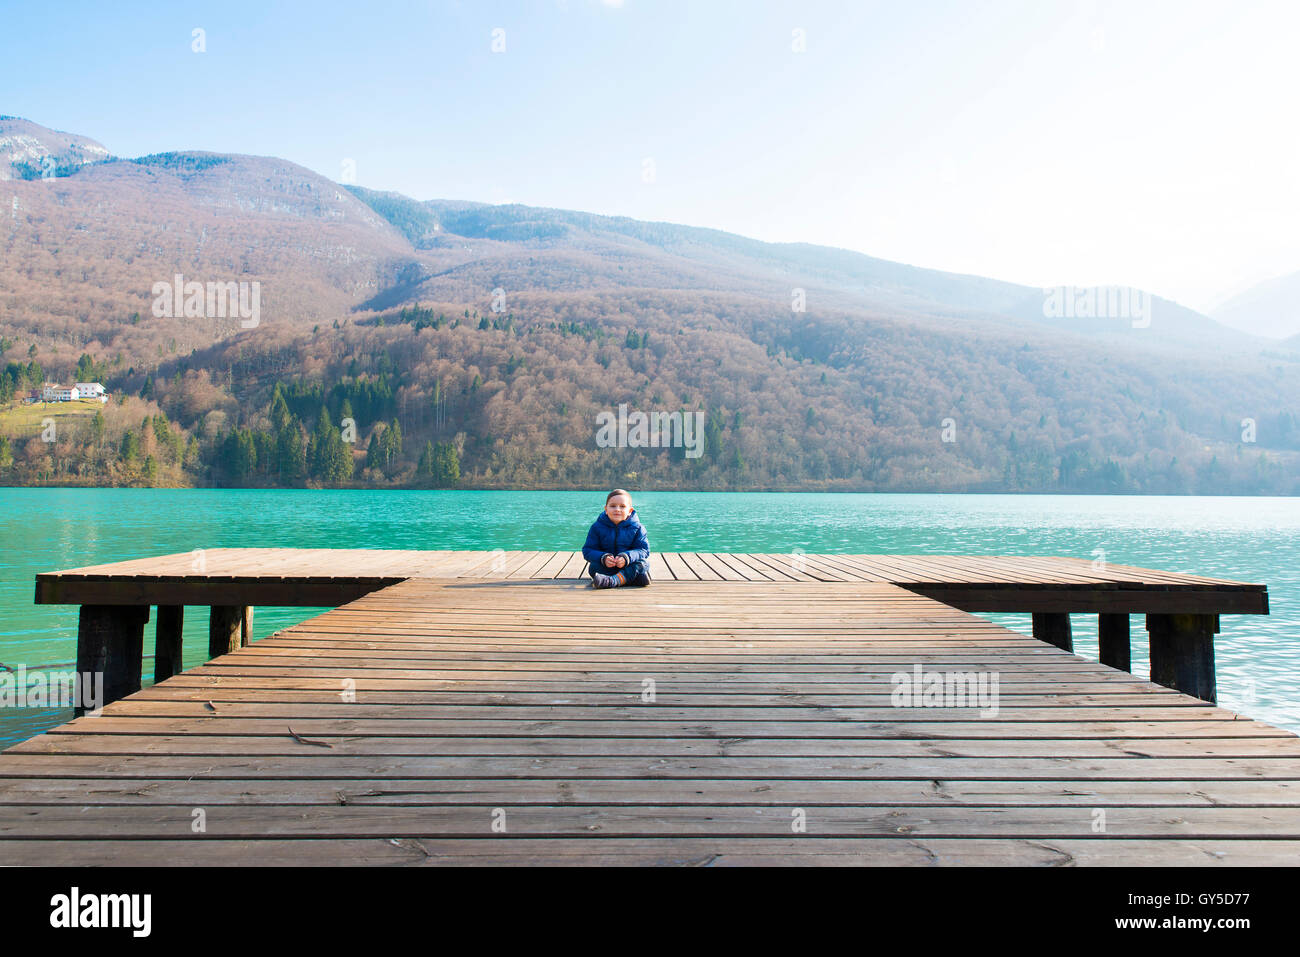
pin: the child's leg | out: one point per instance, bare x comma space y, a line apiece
638, 573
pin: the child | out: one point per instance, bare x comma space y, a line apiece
617, 551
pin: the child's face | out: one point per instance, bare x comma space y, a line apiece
618, 508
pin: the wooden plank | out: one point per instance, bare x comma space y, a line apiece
646, 726
746, 792
326, 764
803, 850
476, 821
300, 693
648, 743
247, 705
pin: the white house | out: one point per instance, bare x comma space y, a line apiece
89, 390
54, 392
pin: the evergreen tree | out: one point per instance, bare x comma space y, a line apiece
394, 438
279, 410
130, 449
445, 465
290, 458
239, 455
338, 459
385, 444
329, 458
318, 452
86, 371
264, 446
161, 430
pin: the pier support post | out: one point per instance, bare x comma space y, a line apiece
110, 641
167, 653
1113, 641
1182, 653
1054, 628
225, 629
246, 627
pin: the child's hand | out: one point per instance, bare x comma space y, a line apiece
620, 561
609, 561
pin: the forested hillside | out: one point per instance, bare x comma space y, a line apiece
460, 398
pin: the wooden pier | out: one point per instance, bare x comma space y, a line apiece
489, 708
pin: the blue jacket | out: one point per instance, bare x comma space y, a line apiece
627, 538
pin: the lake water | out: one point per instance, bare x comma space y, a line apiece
1248, 539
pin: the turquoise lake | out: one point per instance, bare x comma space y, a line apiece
1248, 539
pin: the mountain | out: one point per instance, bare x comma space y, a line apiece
84, 250
469, 344
29, 151
1270, 309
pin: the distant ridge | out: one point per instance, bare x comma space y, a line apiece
1270, 308
710, 258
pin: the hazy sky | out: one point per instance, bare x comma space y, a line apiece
1138, 143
